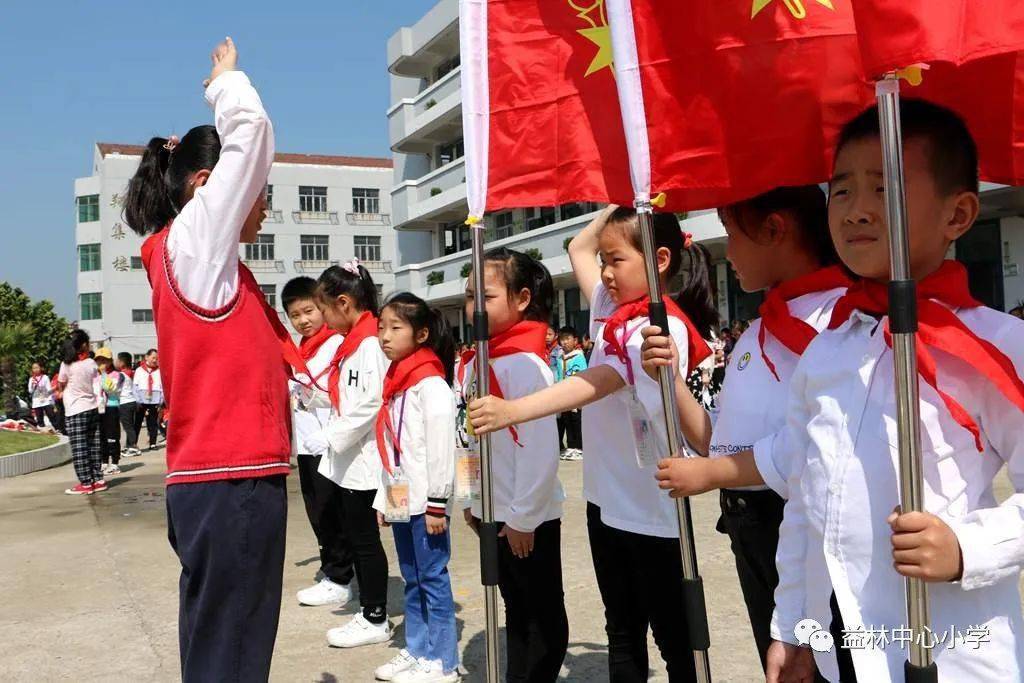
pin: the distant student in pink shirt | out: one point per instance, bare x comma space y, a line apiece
79, 380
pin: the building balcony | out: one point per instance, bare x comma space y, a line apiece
438, 197
273, 216
264, 266
415, 50
377, 266
313, 266
368, 218
316, 217
417, 124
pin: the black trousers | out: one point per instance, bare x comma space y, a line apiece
46, 411
322, 498
61, 424
536, 625
110, 435
150, 412
752, 520
131, 433
371, 564
230, 539
639, 578
571, 425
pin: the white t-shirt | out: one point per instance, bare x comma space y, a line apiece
127, 389
82, 386
627, 494
40, 392
353, 461
424, 421
527, 491
752, 404
311, 405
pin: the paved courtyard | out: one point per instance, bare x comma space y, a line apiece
91, 589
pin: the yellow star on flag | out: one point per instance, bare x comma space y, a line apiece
602, 37
795, 7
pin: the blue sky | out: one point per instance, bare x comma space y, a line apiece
75, 73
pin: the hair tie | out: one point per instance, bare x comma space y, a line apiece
687, 239
171, 143
352, 266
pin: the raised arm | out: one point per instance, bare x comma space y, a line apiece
203, 242
583, 251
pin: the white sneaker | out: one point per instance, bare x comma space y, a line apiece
324, 593
112, 469
426, 671
399, 663
358, 632
575, 454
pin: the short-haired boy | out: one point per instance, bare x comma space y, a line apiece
571, 362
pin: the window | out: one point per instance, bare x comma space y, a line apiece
503, 225
448, 153
136, 263
313, 247
88, 257
270, 294
367, 248
541, 216
365, 200
446, 67
455, 237
260, 250
90, 306
312, 198
88, 208
270, 197
142, 315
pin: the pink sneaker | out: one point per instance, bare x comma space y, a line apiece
79, 490
98, 486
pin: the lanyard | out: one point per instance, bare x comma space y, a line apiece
314, 382
398, 437
627, 334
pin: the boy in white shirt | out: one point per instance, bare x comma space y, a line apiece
311, 408
842, 528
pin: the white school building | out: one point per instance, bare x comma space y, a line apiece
323, 210
429, 198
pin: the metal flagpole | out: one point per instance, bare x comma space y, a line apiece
919, 667
694, 608
488, 527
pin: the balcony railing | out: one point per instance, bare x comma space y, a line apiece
264, 265
273, 216
368, 218
376, 266
303, 266
329, 217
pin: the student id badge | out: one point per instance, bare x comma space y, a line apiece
643, 432
396, 506
467, 473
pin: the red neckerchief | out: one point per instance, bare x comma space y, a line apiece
526, 336
365, 327
308, 347
940, 328
83, 356
792, 332
149, 379
615, 328
401, 376
127, 372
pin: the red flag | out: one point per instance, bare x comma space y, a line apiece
555, 132
975, 56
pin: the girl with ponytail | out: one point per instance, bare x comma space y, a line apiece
196, 199
415, 434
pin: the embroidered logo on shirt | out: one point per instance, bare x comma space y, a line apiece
744, 361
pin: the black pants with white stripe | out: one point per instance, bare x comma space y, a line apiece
230, 539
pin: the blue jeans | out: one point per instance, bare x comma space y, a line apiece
429, 605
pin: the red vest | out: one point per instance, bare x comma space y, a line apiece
223, 376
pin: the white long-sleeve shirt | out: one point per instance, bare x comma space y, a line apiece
40, 392
527, 491
203, 240
353, 461
142, 391
752, 403
311, 405
842, 437
627, 494
424, 421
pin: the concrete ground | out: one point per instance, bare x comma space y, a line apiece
91, 589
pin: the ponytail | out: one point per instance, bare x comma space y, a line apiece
159, 187
420, 316
695, 297
520, 272
336, 281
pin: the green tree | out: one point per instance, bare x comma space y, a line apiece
32, 331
